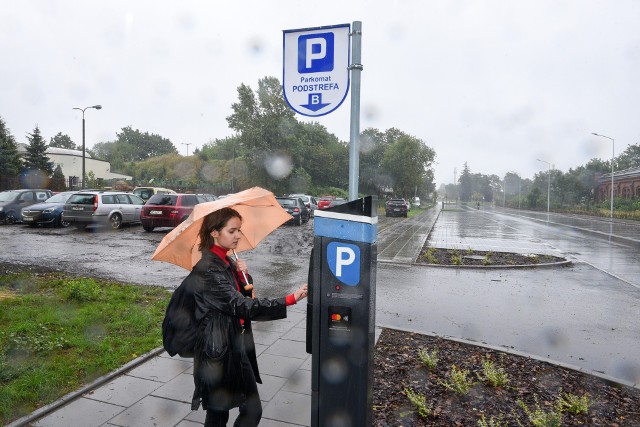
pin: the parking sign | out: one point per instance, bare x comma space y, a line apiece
344, 262
316, 68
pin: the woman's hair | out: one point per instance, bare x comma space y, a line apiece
215, 221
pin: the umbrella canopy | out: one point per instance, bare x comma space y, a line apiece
261, 214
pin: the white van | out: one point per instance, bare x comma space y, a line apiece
146, 192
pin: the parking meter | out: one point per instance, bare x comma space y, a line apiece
341, 314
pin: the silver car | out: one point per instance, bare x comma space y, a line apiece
114, 208
309, 201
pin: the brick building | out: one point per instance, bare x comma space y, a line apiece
626, 184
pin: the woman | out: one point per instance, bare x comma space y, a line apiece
225, 366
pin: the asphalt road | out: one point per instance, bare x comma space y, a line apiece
585, 315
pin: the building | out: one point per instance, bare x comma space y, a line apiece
70, 162
626, 184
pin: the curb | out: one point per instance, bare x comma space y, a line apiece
565, 263
524, 354
45, 410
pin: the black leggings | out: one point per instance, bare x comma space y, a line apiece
250, 409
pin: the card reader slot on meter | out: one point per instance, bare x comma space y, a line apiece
339, 318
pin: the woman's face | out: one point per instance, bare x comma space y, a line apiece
229, 236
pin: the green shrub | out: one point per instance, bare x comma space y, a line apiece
430, 360
81, 290
419, 401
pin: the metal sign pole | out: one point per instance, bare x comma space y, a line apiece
354, 145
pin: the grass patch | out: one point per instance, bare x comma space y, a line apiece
58, 333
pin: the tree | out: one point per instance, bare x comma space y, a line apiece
142, 146
63, 141
630, 158
58, 181
36, 157
466, 184
407, 161
10, 162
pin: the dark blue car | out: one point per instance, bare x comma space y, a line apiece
48, 212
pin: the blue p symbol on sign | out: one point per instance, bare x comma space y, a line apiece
315, 53
344, 262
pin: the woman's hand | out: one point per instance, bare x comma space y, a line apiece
241, 265
301, 292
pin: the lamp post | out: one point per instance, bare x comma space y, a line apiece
84, 176
187, 144
613, 150
548, 183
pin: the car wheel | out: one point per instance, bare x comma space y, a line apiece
62, 223
405, 215
148, 228
299, 220
10, 218
115, 221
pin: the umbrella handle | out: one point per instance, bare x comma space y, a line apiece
249, 286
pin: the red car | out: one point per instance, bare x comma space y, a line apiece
167, 210
324, 201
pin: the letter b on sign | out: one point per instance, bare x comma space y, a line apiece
344, 262
315, 53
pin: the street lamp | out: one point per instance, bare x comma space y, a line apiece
613, 150
84, 176
187, 144
548, 183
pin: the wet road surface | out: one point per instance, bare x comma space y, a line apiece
586, 315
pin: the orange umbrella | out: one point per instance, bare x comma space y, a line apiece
261, 214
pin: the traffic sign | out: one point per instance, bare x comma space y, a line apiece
315, 78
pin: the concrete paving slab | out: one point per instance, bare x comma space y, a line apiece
81, 412
293, 408
180, 388
151, 412
279, 366
299, 382
272, 423
265, 337
279, 326
124, 391
270, 386
161, 369
288, 348
296, 334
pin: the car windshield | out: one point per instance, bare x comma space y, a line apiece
59, 198
7, 196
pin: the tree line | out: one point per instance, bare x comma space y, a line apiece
573, 188
269, 148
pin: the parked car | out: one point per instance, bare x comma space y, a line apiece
324, 201
48, 212
168, 210
145, 193
296, 208
336, 202
206, 198
13, 201
396, 207
309, 201
102, 207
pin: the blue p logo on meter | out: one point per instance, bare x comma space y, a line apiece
344, 262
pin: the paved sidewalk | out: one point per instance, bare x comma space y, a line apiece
158, 392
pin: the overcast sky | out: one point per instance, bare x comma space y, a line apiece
496, 84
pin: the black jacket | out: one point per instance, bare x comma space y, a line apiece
222, 341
